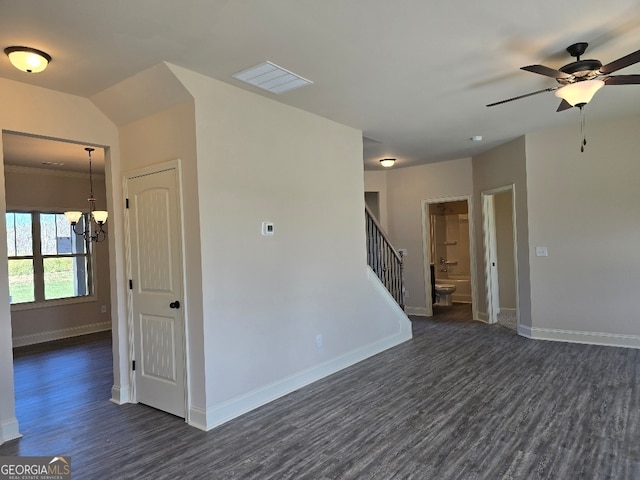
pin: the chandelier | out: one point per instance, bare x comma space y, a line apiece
99, 217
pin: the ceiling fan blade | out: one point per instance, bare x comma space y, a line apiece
546, 71
621, 63
623, 80
564, 105
550, 89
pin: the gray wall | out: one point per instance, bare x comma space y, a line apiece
584, 208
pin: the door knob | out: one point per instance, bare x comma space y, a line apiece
175, 304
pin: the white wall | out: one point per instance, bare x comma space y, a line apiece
39, 111
584, 208
503, 166
406, 189
266, 298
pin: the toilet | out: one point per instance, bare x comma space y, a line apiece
443, 294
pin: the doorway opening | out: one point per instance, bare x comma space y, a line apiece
500, 254
447, 231
59, 284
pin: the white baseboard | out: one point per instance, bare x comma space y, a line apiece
592, 338
9, 430
119, 395
51, 335
416, 311
507, 310
198, 418
235, 407
524, 331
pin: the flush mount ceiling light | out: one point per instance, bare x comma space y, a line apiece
28, 59
387, 162
272, 78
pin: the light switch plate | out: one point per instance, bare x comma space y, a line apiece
542, 252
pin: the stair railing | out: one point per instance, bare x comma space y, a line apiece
384, 260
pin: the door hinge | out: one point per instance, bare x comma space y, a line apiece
130, 284
133, 365
126, 203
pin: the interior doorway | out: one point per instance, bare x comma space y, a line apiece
499, 235
448, 250
59, 284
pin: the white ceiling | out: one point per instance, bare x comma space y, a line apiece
413, 75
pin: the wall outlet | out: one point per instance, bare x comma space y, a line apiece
403, 251
103, 309
406, 293
267, 228
319, 340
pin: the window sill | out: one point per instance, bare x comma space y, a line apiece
59, 302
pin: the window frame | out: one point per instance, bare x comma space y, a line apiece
38, 258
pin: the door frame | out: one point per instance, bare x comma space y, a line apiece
426, 250
126, 176
489, 246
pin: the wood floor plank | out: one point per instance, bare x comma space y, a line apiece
461, 400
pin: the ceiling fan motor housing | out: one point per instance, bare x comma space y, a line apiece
581, 70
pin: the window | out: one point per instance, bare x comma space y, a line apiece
47, 260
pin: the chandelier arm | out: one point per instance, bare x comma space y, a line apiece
74, 226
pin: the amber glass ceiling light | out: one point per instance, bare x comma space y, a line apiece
28, 59
98, 216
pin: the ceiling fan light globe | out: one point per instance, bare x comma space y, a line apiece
579, 93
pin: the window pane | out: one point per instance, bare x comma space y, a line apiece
48, 234
57, 236
65, 277
11, 234
19, 234
21, 281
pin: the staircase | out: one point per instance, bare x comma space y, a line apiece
383, 259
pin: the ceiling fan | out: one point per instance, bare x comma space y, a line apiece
578, 81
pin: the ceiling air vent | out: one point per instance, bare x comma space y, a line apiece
272, 78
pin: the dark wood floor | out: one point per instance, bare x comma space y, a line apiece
462, 400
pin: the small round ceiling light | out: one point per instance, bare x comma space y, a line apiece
28, 59
387, 162
476, 138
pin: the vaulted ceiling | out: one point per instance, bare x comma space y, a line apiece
413, 75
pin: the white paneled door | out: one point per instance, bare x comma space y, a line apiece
157, 290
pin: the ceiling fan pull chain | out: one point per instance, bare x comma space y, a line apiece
583, 128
